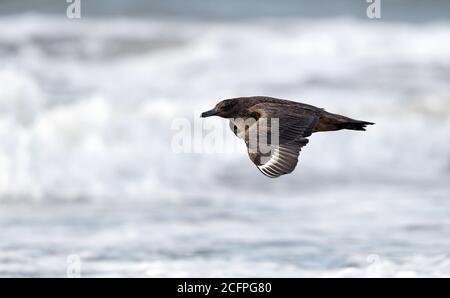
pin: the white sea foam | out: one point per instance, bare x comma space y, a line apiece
86, 107
86, 111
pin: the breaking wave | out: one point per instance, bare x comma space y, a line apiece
86, 107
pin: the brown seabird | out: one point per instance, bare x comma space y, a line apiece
275, 130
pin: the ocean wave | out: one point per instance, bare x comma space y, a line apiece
86, 107
361, 266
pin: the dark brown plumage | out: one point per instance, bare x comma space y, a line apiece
252, 118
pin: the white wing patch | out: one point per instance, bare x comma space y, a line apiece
283, 160
240, 129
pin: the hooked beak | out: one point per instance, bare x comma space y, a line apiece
208, 113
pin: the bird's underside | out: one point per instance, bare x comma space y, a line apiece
275, 130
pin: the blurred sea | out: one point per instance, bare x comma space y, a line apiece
87, 168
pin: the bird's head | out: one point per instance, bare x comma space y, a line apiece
228, 108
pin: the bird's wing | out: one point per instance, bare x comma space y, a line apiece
234, 126
279, 158
283, 159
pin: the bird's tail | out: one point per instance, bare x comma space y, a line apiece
331, 122
354, 125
